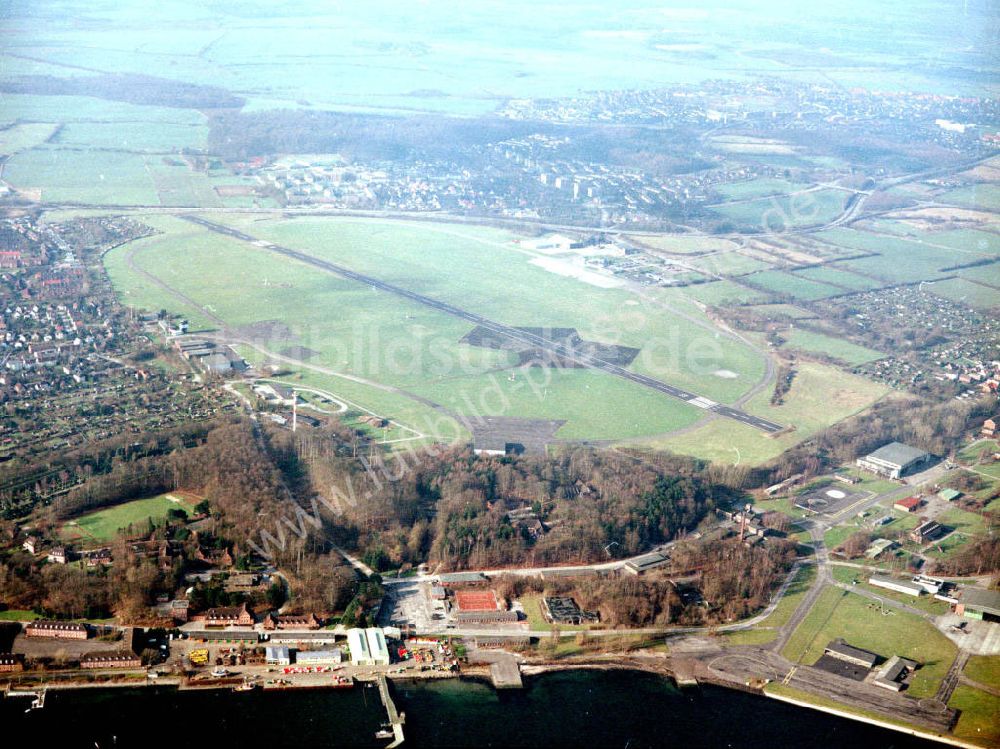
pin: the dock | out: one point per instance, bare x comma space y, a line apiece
506, 674
395, 719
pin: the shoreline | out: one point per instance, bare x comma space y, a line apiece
478, 674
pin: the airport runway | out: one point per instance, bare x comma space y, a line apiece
530, 340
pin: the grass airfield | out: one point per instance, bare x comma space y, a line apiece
364, 339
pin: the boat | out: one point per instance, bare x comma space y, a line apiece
383, 734
246, 686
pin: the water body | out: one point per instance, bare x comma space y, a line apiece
578, 708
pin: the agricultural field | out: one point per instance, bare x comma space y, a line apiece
808, 342
839, 613
963, 290
792, 284
108, 178
983, 197
846, 281
775, 311
897, 260
103, 525
21, 137
728, 264
683, 244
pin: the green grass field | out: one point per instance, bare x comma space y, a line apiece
964, 290
821, 395
972, 453
840, 278
838, 613
417, 350
983, 197
898, 260
758, 188
23, 136
795, 285
984, 669
103, 525
720, 293
779, 213
17, 615
978, 718
811, 342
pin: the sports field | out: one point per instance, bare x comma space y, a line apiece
103, 525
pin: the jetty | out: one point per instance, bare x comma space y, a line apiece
395, 718
39, 696
506, 674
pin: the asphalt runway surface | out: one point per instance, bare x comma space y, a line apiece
519, 335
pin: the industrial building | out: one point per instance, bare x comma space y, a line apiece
357, 643
909, 504
979, 604
319, 657
453, 579
377, 647
277, 655
894, 672
900, 586
894, 460
59, 630
368, 647
645, 563
926, 532
932, 585
122, 659
880, 546
842, 651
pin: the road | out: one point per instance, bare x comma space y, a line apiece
526, 338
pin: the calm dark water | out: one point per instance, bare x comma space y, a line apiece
581, 708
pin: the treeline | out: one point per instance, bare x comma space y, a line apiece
132, 88
238, 136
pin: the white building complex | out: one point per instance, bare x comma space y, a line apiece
368, 647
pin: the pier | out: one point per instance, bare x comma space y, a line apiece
506, 674
395, 719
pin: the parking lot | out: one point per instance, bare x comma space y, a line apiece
409, 603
